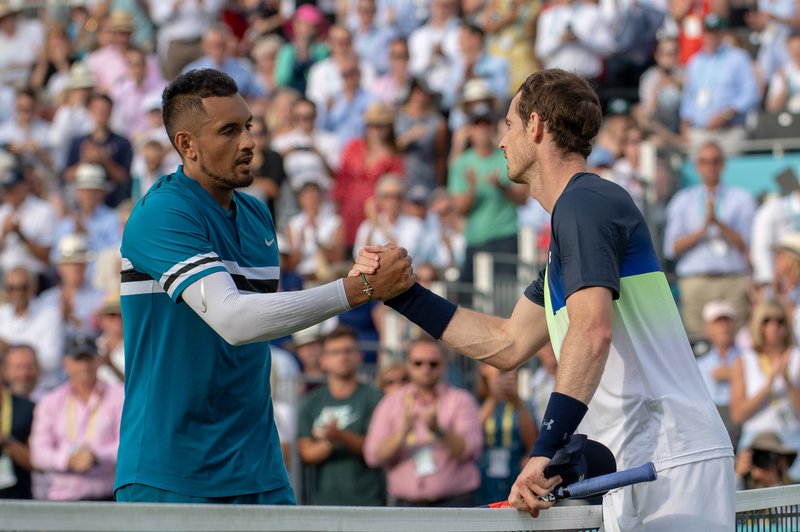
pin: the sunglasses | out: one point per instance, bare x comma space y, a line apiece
390, 382
17, 288
776, 319
432, 363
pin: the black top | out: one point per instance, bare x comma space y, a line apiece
21, 422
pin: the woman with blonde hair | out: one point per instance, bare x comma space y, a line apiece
765, 384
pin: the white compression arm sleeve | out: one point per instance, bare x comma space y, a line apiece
246, 318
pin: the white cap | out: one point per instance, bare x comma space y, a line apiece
714, 310
790, 242
73, 248
90, 175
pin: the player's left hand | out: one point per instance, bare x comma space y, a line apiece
532, 484
368, 260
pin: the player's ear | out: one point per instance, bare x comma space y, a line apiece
536, 127
185, 144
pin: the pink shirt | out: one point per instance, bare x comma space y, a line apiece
62, 423
456, 411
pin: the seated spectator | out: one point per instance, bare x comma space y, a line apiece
76, 430
765, 384
434, 47
131, 92
51, 70
716, 365
660, 89
386, 222
475, 62
713, 107
333, 423
428, 436
392, 377
26, 225
364, 161
72, 119
372, 37
23, 320
19, 370
344, 113
509, 434
765, 464
110, 344
21, 39
295, 58
316, 237
422, 137
74, 295
15, 459
104, 147
783, 93
26, 135
443, 244
215, 55
264, 54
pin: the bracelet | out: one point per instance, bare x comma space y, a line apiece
368, 290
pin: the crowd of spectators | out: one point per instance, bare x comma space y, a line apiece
377, 121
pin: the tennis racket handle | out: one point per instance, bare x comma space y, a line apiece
591, 486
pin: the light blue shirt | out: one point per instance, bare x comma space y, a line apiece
720, 390
719, 81
686, 213
102, 230
372, 46
493, 70
345, 119
248, 87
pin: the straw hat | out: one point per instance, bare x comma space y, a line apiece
121, 21
9, 7
80, 77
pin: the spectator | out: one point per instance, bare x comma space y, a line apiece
343, 114
110, 345
296, 57
707, 234
610, 142
713, 106
386, 222
765, 384
309, 153
316, 237
443, 244
150, 162
76, 430
787, 277
181, 25
391, 87
626, 170
483, 194
476, 97
77, 300
774, 21
568, 36
542, 382
265, 18
434, 47
783, 93
364, 161
26, 321
773, 219
15, 458
104, 147
307, 344
215, 55
333, 424
427, 435
26, 225
765, 464
510, 27
403, 15
509, 434
19, 370
131, 92
98, 222
72, 119
21, 39
264, 54
660, 89
716, 366
422, 137
110, 63
371, 37
26, 135
268, 168
392, 377
476, 63
51, 70
689, 15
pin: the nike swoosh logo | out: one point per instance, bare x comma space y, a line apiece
269, 242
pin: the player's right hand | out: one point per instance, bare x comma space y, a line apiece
532, 484
395, 275
368, 260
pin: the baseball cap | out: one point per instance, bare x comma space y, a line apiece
90, 176
790, 243
418, 194
81, 345
714, 310
714, 22
309, 13
73, 248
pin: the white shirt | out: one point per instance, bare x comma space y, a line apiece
69, 123
41, 327
584, 56
309, 238
441, 70
406, 232
38, 131
302, 165
325, 81
188, 20
773, 219
18, 52
37, 221
84, 307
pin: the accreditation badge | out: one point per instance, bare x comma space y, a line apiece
499, 463
424, 464
7, 477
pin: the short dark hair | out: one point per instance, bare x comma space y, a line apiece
342, 331
567, 104
100, 96
473, 29
184, 96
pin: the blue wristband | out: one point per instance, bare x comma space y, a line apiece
431, 312
560, 421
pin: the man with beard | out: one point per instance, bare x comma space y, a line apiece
199, 303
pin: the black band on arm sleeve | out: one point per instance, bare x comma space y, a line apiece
426, 309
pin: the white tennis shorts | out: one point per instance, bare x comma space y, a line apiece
700, 496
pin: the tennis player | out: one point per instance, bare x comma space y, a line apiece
626, 375
199, 302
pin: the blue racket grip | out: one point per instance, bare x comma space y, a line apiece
584, 488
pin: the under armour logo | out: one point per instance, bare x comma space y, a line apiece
549, 257
548, 424
269, 242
